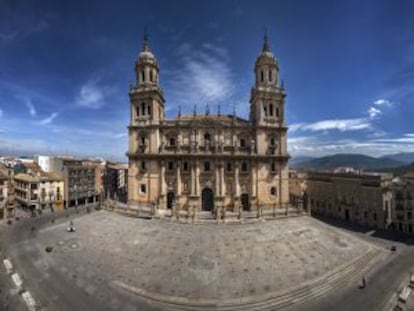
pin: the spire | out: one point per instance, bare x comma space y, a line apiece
145, 46
218, 110
265, 43
207, 110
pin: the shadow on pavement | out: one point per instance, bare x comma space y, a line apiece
386, 234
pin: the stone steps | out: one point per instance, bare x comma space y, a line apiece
348, 274
351, 274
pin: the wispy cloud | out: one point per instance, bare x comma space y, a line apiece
382, 102
373, 112
91, 95
344, 125
204, 78
335, 124
28, 103
317, 146
49, 119
8, 36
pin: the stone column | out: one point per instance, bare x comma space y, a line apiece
162, 181
193, 189
254, 177
222, 181
197, 178
236, 180
179, 179
217, 179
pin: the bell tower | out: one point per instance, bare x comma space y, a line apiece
146, 96
267, 95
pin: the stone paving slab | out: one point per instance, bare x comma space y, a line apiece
215, 262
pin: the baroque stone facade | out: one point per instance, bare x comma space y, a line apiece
207, 161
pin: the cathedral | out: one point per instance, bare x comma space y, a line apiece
206, 161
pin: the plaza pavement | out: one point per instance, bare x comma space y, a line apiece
113, 262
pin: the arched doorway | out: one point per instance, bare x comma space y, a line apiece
170, 199
207, 199
244, 198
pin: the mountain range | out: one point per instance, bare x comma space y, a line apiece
356, 161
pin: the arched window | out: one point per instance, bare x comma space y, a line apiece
271, 109
229, 167
137, 111
170, 166
277, 112
185, 166
261, 76
172, 141
207, 139
242, 142
142, 140
143, 108
273, 191
272, 141
143, 76
149, 110
270, 75
206, 166
151, 78
244, 167
273, 166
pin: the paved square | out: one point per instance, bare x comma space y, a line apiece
195, 265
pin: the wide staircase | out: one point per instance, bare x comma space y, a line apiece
347, 275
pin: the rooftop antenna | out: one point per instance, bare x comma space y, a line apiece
179, 111
218, 110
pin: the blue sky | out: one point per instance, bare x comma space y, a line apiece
65, 67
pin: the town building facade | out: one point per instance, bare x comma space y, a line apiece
39, 191
297, 189
206, 161
116, 181
403, 203
359, 198
82, 178
4, 181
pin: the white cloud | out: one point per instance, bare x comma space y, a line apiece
373, 112
204, 78
49, 119
382, 102
91, 95
338, 124
317, 146
30, 106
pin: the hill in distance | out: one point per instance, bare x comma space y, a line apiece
405, 157
356, 161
